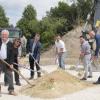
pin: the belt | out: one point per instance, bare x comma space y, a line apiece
87, 53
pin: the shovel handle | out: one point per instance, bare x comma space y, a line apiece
17, 72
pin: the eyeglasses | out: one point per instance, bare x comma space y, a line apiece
18, 41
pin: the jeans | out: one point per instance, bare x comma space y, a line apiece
61, 58
87, 65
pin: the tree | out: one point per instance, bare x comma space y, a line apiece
26, 23
29, 13
64, 11
3, 19
83, 8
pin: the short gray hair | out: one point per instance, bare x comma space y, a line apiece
5, 31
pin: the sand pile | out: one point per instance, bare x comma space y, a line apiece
55, 84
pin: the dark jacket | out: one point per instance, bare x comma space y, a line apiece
9, 52
37, 49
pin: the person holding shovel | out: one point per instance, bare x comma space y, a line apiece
85, 56
16, 44
34, 55
6, 55
60, 51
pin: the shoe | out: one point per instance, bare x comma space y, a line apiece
18, 83
12, 93
39, 75
31, 78
0, 91
97, 82
83, 78
89, 76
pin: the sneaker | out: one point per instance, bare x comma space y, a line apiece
12, 93
83, 78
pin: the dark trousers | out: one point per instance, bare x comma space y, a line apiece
32, 63
16, 74
5, 79
8, 76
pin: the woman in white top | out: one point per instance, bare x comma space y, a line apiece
60, 51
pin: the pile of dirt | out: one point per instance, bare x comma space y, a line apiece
55, 84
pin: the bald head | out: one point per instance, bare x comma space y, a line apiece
92, 34
4, 35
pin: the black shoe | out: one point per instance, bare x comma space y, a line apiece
83, 78
39, 75
89, 76
97, 82
31, 78
18, 83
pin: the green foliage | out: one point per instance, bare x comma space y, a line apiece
3, 19
28, 22
83, 8
59, 19
29, 13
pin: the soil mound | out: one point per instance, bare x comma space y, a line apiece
55, 84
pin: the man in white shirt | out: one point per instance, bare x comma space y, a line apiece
6, 54
60, 51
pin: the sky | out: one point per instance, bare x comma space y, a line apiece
15, 8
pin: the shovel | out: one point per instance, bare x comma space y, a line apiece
17, 72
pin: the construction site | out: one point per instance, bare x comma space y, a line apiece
56, 83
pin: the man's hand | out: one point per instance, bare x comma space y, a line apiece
11, 66
94, 58
36, 61
30, 53
82, 55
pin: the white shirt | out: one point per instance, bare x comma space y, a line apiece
60, 45
3, 50
33, 47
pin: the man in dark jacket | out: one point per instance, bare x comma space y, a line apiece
6, 54
34, 56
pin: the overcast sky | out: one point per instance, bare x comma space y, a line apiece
14, 8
